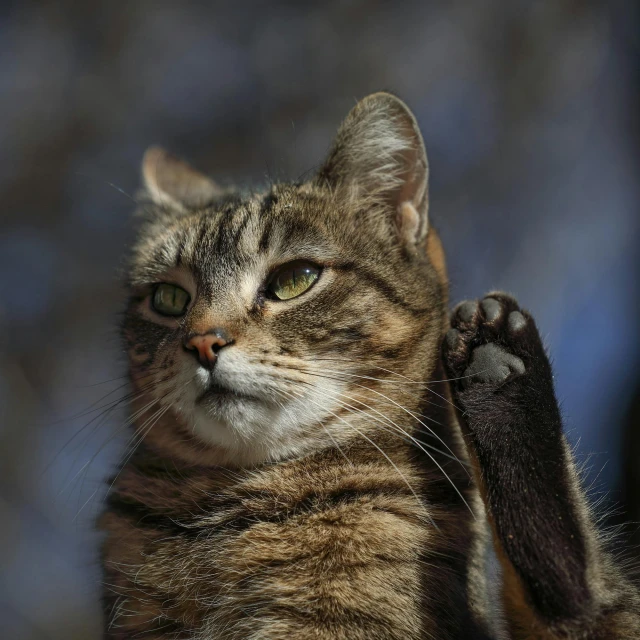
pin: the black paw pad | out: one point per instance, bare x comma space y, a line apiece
467, 311
452, 338
491, 363
492, 309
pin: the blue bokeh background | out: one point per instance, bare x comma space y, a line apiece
530, 114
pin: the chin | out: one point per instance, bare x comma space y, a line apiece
253, 429
246, 428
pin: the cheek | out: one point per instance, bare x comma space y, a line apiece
318, 329
262, 338
149, 344
395, 329
296, 333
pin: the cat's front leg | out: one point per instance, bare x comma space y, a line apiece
558, 582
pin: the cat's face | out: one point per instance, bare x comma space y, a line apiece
265, 326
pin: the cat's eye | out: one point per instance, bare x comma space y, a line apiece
292, 279
170, 300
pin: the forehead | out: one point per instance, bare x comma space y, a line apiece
232, 236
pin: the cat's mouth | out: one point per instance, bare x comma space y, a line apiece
219, 393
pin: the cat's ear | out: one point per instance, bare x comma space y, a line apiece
172, 182
378, 158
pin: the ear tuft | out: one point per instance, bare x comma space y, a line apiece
174, 183
378, 157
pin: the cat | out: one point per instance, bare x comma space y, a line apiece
320, 449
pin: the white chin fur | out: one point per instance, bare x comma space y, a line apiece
235, 423
253, 428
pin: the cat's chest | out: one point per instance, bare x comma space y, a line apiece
214, 563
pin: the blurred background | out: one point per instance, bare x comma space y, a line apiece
530, 112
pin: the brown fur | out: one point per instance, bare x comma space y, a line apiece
353, 525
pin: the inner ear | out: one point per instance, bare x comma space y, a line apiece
172, 182
378, 158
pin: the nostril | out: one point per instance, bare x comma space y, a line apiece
223, 338
208, 345
216, 345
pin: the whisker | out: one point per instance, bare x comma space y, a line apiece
324, 373
127, 376
110, 407
409, 380
136, 439
419, 446
152, 421
389, 460
321, 423
415, 415
449, 454
91, 408
119, 430
449, 402
110, 184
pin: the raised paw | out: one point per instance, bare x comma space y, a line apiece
502, 391
490, 342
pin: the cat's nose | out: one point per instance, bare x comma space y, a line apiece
206, 346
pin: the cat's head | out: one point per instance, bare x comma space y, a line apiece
266, 325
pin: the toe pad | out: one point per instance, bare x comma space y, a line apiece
516, 321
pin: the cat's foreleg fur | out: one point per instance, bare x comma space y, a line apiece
558, 580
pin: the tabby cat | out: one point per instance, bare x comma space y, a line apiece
320, 451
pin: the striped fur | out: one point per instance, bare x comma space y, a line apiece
329, 496
315, 483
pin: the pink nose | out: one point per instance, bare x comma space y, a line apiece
207, 346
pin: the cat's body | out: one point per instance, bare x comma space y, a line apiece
300, 469
312, 548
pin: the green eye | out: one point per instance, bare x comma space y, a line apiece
292, 279
170, 300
